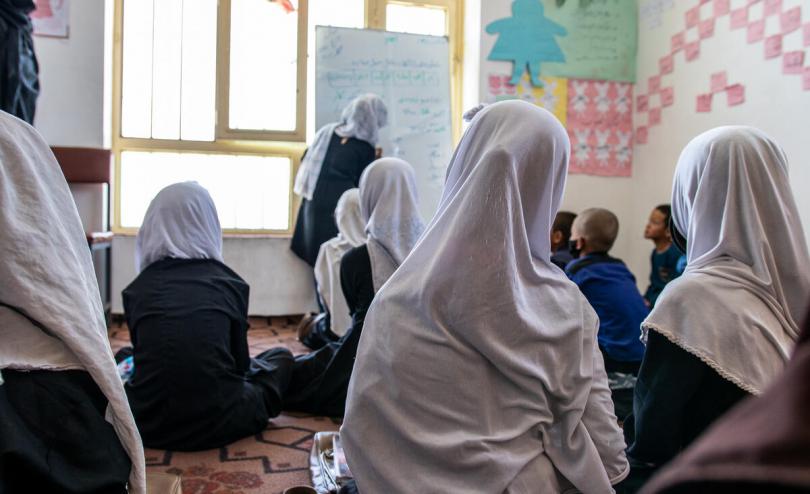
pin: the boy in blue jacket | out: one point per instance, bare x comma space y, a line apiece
611, 290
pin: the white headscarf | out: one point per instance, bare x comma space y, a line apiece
362, 119
389, 205
56, 321
744, 293
351, 233
181, 223
478, 361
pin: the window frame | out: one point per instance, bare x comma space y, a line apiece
285, 144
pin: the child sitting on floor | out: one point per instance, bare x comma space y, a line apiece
611, 289
560, 237
665, 257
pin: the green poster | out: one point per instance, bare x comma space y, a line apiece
582, 39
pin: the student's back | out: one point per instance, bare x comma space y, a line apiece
611, 290
194, 385
187, 319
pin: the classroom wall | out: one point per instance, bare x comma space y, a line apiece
71, 106
774, 102
73, 111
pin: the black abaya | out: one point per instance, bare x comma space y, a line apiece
341, 170
19, 71
320, 380
194, 385
54, 438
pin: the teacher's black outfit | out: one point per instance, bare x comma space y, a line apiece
332, 165
345, 160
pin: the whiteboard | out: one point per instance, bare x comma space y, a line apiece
412, 74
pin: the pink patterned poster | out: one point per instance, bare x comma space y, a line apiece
600, 126
50, 18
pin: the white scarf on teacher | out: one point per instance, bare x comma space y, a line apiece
351, 233
739, 304
389, 205
362, 119
478, 368
51, 317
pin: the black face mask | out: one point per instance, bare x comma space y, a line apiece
677, 239
572, 248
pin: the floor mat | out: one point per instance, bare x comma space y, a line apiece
268, 462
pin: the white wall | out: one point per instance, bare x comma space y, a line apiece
71, 106
774, 102
280, 283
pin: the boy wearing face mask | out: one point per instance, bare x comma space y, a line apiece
611, 290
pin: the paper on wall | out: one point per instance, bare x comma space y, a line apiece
793, 62
773, 46
704, 103
736, 94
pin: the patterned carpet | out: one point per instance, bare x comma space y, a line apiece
268, 462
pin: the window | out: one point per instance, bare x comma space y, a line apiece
216, 91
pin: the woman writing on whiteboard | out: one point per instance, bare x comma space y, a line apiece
331, 166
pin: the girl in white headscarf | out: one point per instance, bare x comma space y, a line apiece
478, 369
65, 424
388, 205
725, 329
332, 165
194, 385
351, 233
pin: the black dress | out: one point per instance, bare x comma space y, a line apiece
194, 385
320, 379
341, 170
53, 436
19, 71
677, 397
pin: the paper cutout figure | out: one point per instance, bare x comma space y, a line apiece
806, 79
666, 64
793, 62
719, 81
773, 46
667, 96
791, 20
704, 103
528, 39
721, 7
739, 18
736, 95
756, 31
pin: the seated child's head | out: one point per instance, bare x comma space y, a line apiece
657, 228
561, 230
594, 231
